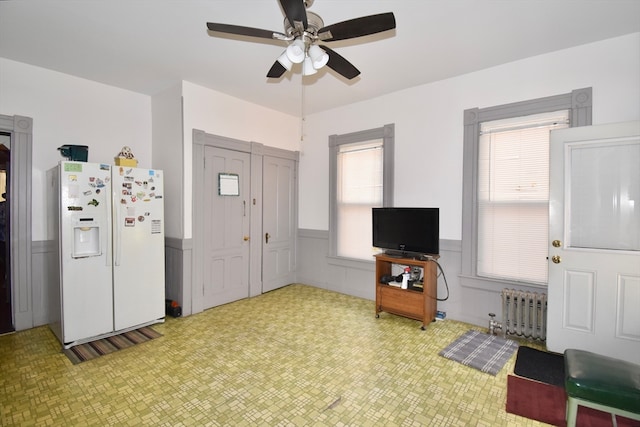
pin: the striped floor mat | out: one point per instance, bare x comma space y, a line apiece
486, 353
94, 349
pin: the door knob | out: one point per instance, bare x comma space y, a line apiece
245, 238
556, 259
556, 243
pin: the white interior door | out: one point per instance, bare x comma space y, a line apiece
594, 244
226, 226
279, 222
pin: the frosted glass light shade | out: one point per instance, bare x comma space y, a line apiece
318, 56
307, 67
295, 51
284, 60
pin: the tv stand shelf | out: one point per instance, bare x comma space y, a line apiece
410, 303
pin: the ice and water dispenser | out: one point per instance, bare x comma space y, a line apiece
86, 238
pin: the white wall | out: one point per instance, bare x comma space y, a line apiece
219, 114
70, 110
166, 110
428, 122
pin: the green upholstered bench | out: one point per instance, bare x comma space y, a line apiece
601, 383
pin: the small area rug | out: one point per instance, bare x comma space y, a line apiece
484, 352
540, 365
536, 391
94, 349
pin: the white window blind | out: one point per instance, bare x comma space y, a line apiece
513, 196
359, 188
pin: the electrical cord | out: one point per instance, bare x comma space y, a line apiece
445, 280
444, 276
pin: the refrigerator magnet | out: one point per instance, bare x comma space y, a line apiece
74, 191
129, 222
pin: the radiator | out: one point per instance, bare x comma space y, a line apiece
524, 314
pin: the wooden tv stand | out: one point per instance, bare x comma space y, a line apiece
411, 303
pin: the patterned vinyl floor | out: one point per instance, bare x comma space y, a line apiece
297, 356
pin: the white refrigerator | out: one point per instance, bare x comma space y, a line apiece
108, 225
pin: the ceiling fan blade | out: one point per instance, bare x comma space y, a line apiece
243, 31
276, 70
358, 27
340, 65
295, 11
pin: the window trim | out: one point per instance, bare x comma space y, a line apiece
387, 134
579, 104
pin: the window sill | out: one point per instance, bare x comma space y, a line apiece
493, 285
351, 263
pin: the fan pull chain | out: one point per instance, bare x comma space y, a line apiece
302, 113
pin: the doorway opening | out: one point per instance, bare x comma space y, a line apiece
6, 314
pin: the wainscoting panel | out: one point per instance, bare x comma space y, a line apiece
178, 278
315, 268
43, 281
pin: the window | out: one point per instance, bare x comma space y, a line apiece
506, 188
361, 177
513, 196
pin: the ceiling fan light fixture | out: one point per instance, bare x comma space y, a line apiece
307, 67
318, 56
284, 60
296, 51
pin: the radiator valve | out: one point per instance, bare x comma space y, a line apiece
493, 325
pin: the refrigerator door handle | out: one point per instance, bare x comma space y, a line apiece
108, 257
117, 238
109, 226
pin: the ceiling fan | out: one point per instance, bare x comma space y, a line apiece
303, 30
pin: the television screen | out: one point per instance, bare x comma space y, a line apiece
406, 230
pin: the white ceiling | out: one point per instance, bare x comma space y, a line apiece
149, 45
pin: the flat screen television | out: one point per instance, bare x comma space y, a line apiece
406, 231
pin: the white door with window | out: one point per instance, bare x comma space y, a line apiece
594, 240
279, 222
225, 225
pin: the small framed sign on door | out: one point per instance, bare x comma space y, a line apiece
228, 184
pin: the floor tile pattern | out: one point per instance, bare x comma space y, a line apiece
297, 356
